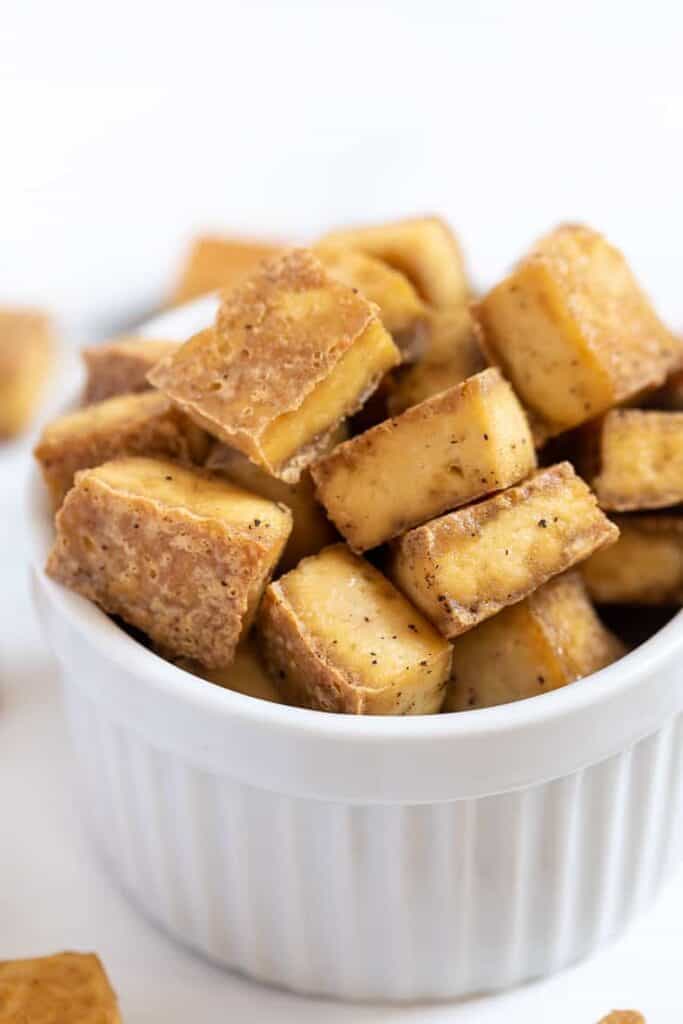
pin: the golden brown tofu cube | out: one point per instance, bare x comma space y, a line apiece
179, 553
453, 354
67, 988
311, 529
339, 637
293, 353
449, 450
645, 566
623, 1017
634, 459
423, 248
26, 353
546, 641
401, 309
468, 565
246, 675
144, 424
215, 262
573, 331
120, 367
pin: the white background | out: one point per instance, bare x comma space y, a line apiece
124, 128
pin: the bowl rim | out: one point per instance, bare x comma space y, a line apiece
598, 688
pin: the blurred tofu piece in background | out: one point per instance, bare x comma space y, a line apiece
216, 261
26, 358
120, 366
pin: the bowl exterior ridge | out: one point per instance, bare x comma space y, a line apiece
396, 902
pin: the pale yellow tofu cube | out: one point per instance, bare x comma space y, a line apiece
180, 554
26, 358
573, 331
339, 637
471, 563
645, 566
447, 451
67, 988
546, 641
292, 354
423, 248
120, 367
143, 424
633, 459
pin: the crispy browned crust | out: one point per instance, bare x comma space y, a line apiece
120, 367
355, 451
184, 580
433, 541
261, 360
304, 672
67, 988
154, 427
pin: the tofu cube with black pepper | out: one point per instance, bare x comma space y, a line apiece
573, 331
645, 566
548, 640
633, 459
338, 636
470, 564
447, 451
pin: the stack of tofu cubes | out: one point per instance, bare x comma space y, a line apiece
331, 496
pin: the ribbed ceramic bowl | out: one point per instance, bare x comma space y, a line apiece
371, 858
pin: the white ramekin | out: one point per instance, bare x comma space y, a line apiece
372, 858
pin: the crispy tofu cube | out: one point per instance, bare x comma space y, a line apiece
293, 353
453, 354
67, 988
120, 367
246, 675
645, 566
401, 309
26, 354
311, 529
179, 553
339, 637
468, 565
573, 331
215, 262
634, 459
449, 450
144, 424
424, 249
546, 641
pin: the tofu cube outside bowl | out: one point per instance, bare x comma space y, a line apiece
370, 858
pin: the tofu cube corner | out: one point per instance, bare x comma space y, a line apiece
68, 988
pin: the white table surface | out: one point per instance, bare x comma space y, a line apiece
127, 127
